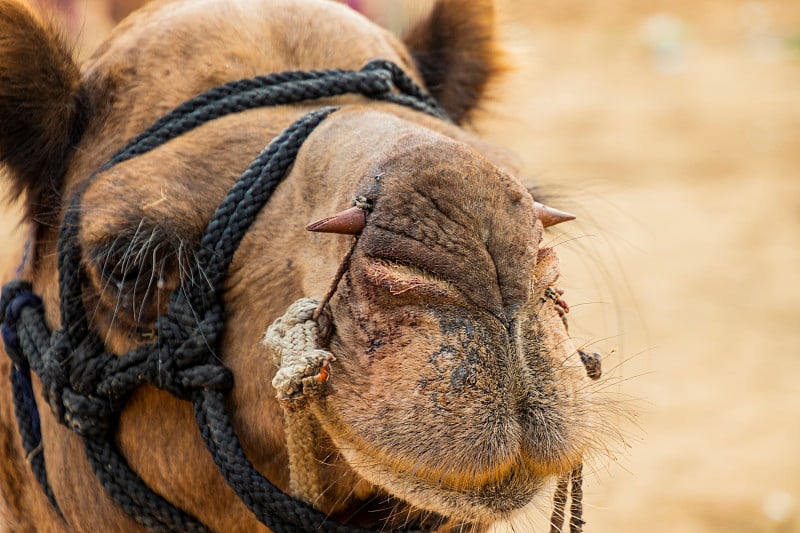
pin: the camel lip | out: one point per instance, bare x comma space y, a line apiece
486, 501
479, 504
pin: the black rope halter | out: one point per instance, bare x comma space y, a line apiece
87, 387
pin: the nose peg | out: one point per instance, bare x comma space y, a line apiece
348, 222
550, 216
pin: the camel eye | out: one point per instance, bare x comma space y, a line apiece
135, 267
118, 270
128, 271
131, 279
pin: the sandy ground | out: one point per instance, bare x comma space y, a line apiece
673, 130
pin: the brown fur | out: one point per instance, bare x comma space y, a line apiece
42, 105
455, 390
456, 52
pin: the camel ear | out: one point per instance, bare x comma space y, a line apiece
457, 54
42, 106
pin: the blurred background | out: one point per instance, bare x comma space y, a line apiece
672, 129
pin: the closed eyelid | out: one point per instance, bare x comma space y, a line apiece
399, 278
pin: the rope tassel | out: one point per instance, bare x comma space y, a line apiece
303, 370
295, 339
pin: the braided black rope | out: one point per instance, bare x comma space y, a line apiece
376, 80
89, 416
87, 387
21, 386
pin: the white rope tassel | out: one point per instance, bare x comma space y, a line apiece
295, 340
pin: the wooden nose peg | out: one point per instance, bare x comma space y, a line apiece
550, 216
348, 222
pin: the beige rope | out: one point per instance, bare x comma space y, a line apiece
303, 369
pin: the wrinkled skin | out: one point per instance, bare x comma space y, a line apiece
455, 390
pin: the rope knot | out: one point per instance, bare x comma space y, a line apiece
87, 415
296, 340
184, 361
377, 65
16, 296
88, 360
409, 93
